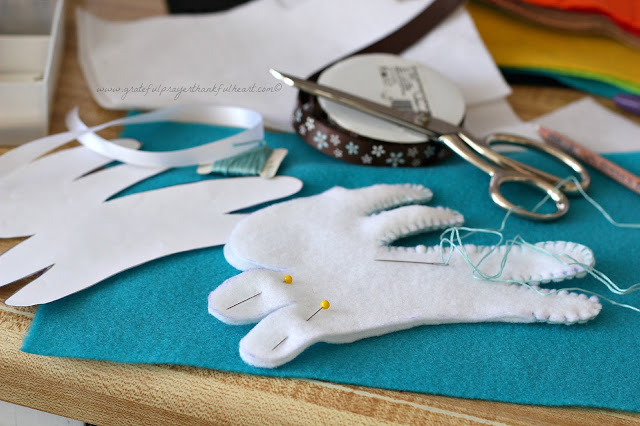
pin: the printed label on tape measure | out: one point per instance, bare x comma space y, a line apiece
402, 88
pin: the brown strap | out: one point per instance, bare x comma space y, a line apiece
314, 126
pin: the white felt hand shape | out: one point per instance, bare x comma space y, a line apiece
328, 244
85, 239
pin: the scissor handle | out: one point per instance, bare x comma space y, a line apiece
476, 153
557, 196
508, 163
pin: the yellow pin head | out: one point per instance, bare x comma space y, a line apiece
287, 279
323, 305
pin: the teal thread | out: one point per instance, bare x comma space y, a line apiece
247, 163
258, 142
592, 202
452, 237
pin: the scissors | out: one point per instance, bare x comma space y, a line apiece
476, 151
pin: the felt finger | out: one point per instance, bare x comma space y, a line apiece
376, 198
568, 260
250, 296
281, 336
391, 225
502, 302
564, 307
540, 263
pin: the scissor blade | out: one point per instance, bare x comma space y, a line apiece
411, 120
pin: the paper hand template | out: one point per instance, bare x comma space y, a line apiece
85, 239
328, 244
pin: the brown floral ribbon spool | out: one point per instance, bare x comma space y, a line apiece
316, 128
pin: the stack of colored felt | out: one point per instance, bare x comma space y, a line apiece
624, 13
591, 45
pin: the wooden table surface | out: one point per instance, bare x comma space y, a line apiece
106, 393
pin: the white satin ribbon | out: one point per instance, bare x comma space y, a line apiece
199, 113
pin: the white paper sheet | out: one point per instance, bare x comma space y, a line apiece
238, 47
59, 200
594, 126
91, 242
585, 121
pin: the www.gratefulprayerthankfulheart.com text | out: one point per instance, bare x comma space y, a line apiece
152, 89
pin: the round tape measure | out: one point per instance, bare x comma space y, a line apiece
393, 81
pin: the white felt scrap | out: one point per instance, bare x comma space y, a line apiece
328, 244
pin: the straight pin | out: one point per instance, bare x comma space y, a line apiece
287, 280
242, 301
323, 305
281, 341
413, 261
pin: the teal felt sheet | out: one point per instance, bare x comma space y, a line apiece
157, 312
